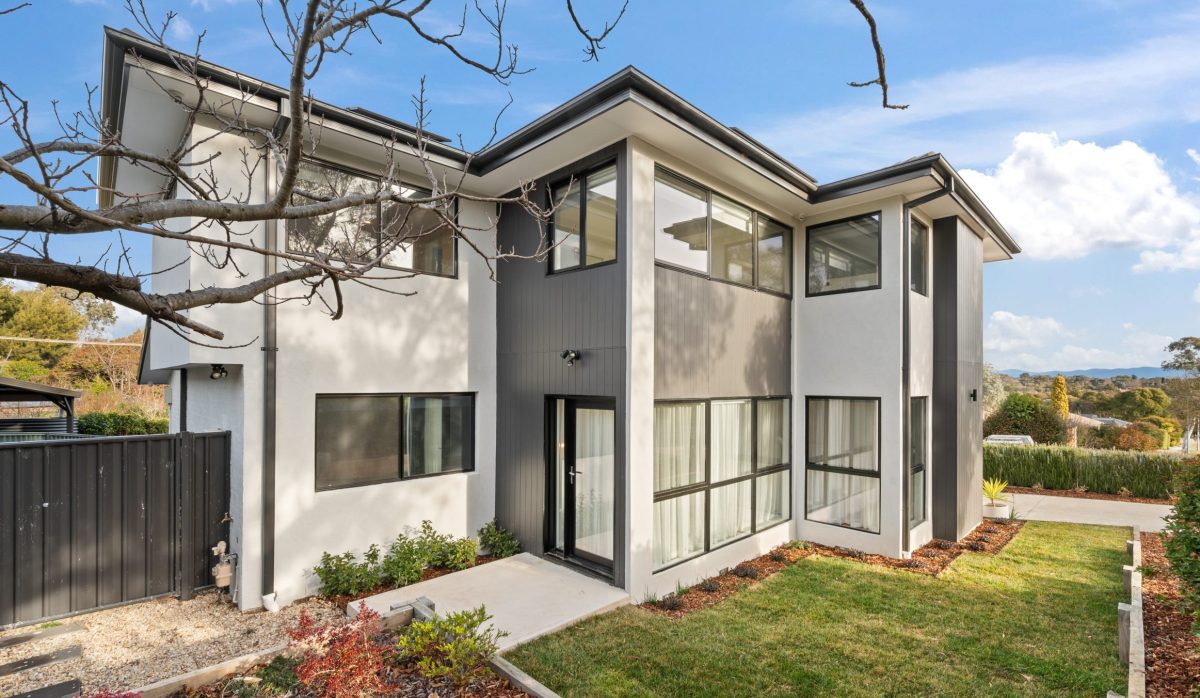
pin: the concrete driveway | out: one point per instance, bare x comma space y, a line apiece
1040, 507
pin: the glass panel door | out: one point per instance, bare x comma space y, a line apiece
594, 476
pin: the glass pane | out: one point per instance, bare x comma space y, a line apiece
566, 227
730, 516
595, 478
916, 499
919, 254
774, 433
843, 499
678, 445
919, 457
560, 472
730, 439
425, 240
680, 223
602, 216
844, 256
437, 434
774, 256
351, 233
844, 433
358, 440
773, 498
732, 241
678, 528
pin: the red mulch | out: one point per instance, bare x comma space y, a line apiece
1172, 650
1083, 494
990, 537
341, 600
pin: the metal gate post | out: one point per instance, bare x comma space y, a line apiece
185, 471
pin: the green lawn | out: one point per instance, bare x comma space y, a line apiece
1038, 619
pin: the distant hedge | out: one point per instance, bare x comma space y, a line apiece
119, 424
1063, 468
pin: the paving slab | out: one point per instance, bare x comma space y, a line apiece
1042, 507
527, 596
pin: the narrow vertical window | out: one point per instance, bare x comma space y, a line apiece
774, 256
732, 241
584, 228
601, 234
919, 257
568, 227
918, 442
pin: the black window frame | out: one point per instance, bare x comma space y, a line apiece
755, 216
832, 469
706, 486
468, 446
582, 177
287, 233
918, 469
923, 287
878, 255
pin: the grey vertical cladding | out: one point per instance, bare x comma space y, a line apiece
538, 316
94, 522
957, 466
714, 339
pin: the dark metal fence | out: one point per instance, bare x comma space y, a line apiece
96, 522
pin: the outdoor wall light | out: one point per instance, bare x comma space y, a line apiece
570, 356
218, 372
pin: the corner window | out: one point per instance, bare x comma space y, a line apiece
918, 256
584, 229
843, 255
369, 439
699, 230
918, 442
722, 471
412, 238
842, 474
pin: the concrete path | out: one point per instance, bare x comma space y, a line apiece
1040, 507
526, 595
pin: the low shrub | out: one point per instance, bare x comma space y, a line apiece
709, 585
671, 602
344, 575
339, 661
1025, 414
1062, 468
498, 541
278, 677
1182, 539
778, 556
444, 550
745, 571
119, 424
455, 647
404, 561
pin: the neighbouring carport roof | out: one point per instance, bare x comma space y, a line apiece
13, 390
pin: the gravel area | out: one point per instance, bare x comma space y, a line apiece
130, 646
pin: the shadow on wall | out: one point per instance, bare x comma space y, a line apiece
692, 321
770, 345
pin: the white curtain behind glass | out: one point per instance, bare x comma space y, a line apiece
844, 500
678, 445
774, 499
730, 439
678, 528
843, 433
730, 516
774, 434
594, 481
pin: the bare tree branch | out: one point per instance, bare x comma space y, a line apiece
594, 45
880, 62
15, 8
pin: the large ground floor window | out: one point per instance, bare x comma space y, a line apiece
842, 457
722, 471
368, 439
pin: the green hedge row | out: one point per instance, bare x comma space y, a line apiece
1063, 468
119, 424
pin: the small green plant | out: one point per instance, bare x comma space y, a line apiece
344, 575
404, 561
799, 545
1148, 571
49, 624
444, 550
681, 589
455, 647
651, 598
278, 677
710, 586
498, 541
993, 489
671, 602
1182, 534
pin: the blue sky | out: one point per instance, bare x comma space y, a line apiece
1073, 119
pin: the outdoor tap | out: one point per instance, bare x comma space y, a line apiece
223, 571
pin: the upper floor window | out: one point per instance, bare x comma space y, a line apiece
703, 231
918, 254
584, 230
426, 240
844, 255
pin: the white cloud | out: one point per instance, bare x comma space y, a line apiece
1008, 331
970, 115
127, 322
1066, 199
1194, 155
181, 29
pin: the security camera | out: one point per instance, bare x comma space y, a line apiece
570, 356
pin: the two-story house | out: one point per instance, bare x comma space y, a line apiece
718, 356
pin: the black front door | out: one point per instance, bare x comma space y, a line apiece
582, 477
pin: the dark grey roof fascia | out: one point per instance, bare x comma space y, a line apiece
933, 165
25, 387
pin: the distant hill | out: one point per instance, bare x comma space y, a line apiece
1140, 372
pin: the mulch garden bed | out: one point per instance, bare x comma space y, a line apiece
1083, 494
1172, 650
341, 600
990, 537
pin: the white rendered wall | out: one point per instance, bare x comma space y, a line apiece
848, 345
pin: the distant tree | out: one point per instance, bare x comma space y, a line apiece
26, 370
1168, 427
993, 389
40, 313
1135, 438
1185, 357
1058, 397
1027, 415
1132, 405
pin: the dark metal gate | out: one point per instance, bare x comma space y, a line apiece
97, 522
